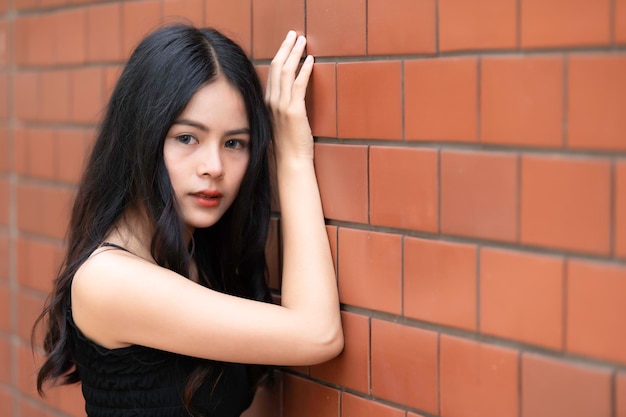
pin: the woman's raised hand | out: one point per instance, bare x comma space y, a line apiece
285, 93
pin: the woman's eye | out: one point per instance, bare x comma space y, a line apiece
235, 144
186, 139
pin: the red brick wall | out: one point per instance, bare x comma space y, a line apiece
472, 162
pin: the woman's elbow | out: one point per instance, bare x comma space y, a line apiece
330, 345
336, 345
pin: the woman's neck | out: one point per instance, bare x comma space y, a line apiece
134, 233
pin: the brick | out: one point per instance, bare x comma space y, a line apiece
20, 155
28, 309
342, 178
272, 254
595, 307
69, 399
41, 153
620, 209
400, 27
55, 95
139, 18
56, 213
336, 27
565, 203
5, 364
263, 71
477, 379
43, 210
5, 308
559, 23
404, 365
111, 77
27, 365
31, 410
404, 188
322, 100
271, 20
73, 150
353, 406
104, 33
274, 197
87, 101
440, 282
233, 19
5, 200
479, 194
596, 102
619, 23
552, 387
350, 369
374, 112
522, 101
4, 96
437, 91
37, 264
333, 232
370, 270
25, 4
26, 100
21, 39
6, 30
71, 36
304, 398
6, 402
521, 297
186, 11
5, 160
620, 395
477, 24
52, 3
29, 208
41, 46
4, 258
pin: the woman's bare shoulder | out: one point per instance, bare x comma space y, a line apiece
120, 300
107, 280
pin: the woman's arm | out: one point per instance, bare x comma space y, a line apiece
309, 284
119, 299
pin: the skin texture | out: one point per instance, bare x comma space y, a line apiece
207, 148
120, 298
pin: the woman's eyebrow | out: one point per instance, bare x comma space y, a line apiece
191, 123
200, 126
242, 131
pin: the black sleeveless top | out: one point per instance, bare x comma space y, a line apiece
139, 381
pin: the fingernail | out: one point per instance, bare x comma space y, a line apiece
301, 40
291, 34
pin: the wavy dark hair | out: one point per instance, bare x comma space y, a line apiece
126, 170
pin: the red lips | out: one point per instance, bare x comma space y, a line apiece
207, 198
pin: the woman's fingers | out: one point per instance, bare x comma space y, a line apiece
273, 83
285, 93
298, 91
282, 74
288, 72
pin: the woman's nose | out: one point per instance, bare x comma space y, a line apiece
211, 164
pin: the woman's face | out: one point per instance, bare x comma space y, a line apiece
206, 153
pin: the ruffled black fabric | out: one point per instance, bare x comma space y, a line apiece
138, 381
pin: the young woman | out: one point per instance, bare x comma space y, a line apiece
161, 305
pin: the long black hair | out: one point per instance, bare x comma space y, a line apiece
126, 170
